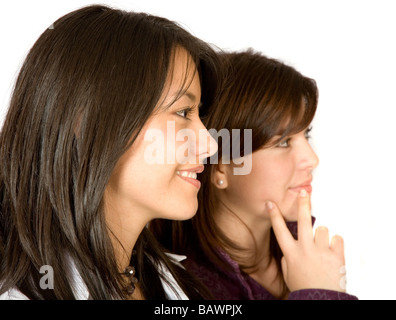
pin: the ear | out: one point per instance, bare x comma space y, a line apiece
219, 176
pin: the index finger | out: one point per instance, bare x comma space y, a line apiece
304, 220
282, 233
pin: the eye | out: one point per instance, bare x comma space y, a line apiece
307, 133
185, 112
284, 143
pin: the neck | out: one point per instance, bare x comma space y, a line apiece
124, 229
123, 241
253, 234
250, 233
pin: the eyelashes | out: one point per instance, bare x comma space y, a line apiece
285, 143
185, 113
307, 133
188, 111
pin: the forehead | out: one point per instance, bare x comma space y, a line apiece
182, 79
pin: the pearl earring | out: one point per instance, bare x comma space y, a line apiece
220, 182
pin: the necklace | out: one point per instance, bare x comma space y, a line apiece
130, 272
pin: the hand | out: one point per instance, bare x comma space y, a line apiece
309, 262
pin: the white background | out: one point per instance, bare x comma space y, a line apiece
348, 48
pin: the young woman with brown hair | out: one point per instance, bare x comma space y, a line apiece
238, 243
76, 191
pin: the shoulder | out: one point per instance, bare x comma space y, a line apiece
171, 287
223, 284
78, 286
13, 294
320, 294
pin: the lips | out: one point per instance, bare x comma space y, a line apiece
303, 186
190, 175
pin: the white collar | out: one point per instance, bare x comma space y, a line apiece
80, 290
172, 290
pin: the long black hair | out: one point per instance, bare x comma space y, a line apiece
84, 92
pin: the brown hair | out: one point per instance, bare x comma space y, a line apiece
261, 94
97, 74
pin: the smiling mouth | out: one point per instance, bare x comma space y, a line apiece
187, 174
190, 177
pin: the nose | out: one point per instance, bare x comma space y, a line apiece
308, 159
206, 145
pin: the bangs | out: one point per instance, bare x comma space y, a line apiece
182, 83
296, 120
264, 95
287, 115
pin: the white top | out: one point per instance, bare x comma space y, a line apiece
81, 291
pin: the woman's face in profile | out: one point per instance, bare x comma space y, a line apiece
157, 176
278, 174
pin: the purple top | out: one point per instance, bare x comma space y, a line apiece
237, 285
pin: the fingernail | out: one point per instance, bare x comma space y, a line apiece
270, 205
303, 193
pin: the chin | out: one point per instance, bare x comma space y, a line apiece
290, 213
290, 217
186, 214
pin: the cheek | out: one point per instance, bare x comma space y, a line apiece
273, 178
262, 184
178, 144
273, 182
285, 199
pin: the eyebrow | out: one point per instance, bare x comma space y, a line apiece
190, 95
177, 96
279, 136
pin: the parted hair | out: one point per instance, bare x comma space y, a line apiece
85, 90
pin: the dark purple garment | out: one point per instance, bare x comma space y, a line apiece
237, 285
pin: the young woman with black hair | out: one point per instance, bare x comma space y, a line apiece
77, 187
